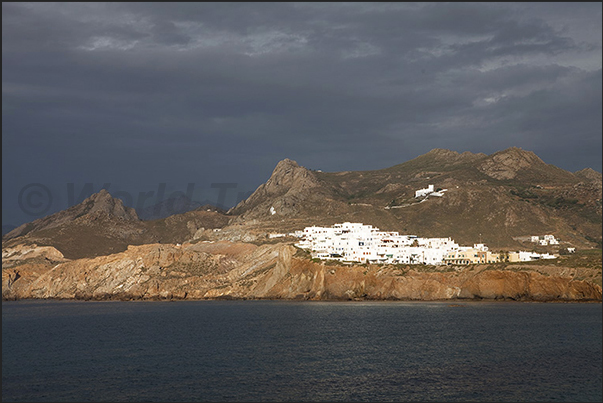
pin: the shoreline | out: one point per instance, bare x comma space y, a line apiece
451, 301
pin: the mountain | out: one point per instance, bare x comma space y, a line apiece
287, 192
499, 199
99, 206
589, 175
495, 198
101, 225
101, 249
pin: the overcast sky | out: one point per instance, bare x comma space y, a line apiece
139, 94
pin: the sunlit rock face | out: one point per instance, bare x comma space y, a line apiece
242, 270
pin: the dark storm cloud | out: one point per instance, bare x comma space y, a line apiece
141, 93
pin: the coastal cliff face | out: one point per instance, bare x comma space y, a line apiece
207, 270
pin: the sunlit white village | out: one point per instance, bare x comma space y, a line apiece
357, 242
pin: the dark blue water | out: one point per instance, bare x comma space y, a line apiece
300, 351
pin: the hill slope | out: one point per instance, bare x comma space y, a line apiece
497, 199
102, 225
493, 198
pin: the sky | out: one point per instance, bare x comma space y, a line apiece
151, 100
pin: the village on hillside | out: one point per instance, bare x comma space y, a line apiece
356, 242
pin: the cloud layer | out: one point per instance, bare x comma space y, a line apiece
142, 93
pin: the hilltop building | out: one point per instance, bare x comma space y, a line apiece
429, 191
424, 192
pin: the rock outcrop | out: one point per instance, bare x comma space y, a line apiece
289, 185
589, 174
20, 253
245, 271
102, 225
98, 205
515, 163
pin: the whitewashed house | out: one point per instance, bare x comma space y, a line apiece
544, 240
424, 192
551, 240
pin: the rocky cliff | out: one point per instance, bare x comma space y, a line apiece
289, 187
206, 270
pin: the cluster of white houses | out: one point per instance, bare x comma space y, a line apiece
356, 242
544, 240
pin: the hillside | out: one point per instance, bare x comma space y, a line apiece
493, 198
499, 199
102, 225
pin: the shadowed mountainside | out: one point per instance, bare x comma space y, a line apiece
102, 225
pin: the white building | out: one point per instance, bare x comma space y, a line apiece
356, 242
424, 192
429, 191
551, 240
544, 240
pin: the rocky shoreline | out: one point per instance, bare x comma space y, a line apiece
244, 271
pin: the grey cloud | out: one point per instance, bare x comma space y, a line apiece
132, 91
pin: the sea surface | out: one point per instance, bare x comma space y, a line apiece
300, 351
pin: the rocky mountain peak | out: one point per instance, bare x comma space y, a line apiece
589, 174
102, 198
440, 156
103, 203
507, 163
442, 152
289, 176
285, 164
443, 157
288, 179
518, 154
100, 204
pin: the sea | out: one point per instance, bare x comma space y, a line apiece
248, 351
